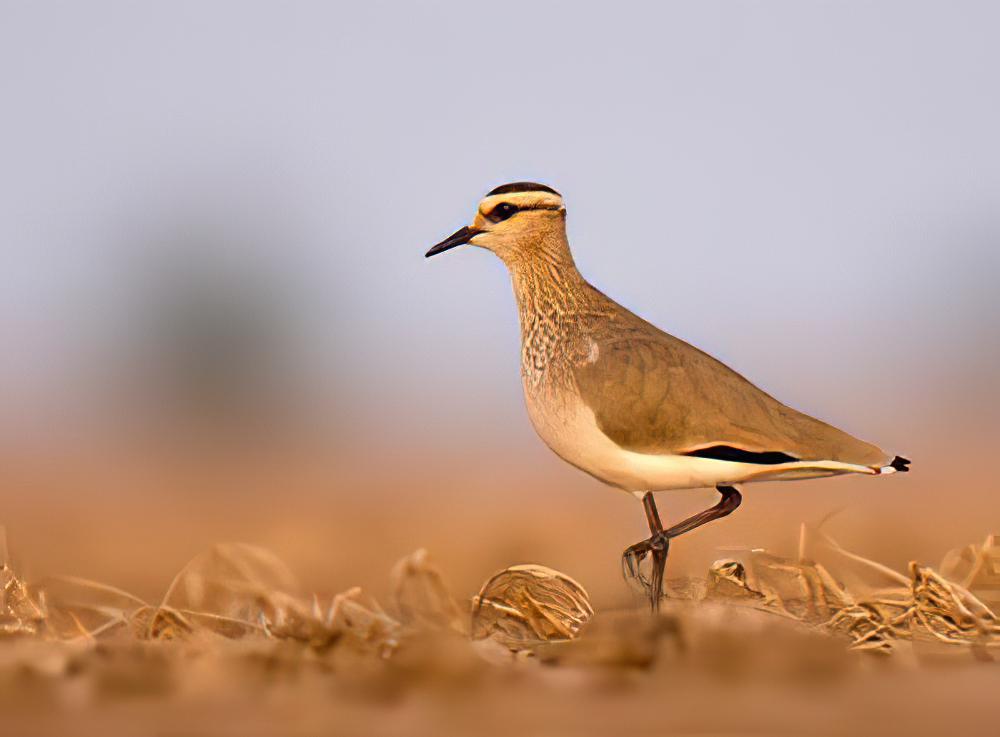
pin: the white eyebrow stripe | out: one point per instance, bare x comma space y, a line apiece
523, 200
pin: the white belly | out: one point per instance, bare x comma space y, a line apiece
572, 433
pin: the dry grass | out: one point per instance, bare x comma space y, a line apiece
232, 636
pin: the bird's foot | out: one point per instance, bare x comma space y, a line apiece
656, 548
632, 560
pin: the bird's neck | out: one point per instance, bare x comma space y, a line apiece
556, 307
548, 285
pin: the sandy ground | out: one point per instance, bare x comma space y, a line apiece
698, 669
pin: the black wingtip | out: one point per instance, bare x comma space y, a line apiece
902, 465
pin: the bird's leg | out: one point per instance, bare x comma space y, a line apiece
658, 544
657, 547
731, 499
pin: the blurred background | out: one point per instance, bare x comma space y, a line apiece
217, 323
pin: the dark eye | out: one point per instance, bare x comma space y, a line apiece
502, 211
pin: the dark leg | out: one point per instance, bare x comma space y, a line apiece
658, 545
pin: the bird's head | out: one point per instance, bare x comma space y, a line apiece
517, 221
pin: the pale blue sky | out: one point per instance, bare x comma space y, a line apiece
809, 190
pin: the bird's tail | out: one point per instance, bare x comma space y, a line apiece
897, 465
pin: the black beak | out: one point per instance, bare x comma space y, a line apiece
459, 238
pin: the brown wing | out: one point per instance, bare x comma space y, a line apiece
653, 393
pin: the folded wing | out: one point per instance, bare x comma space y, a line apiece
653, 393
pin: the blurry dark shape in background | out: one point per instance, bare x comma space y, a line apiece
208, 350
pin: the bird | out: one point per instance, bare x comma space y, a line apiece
631, 405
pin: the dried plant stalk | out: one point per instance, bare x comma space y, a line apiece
924, 605
727, 579
22, 611
949, 611
237, 583
530, 604
977, 568
421, 597
363, 622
